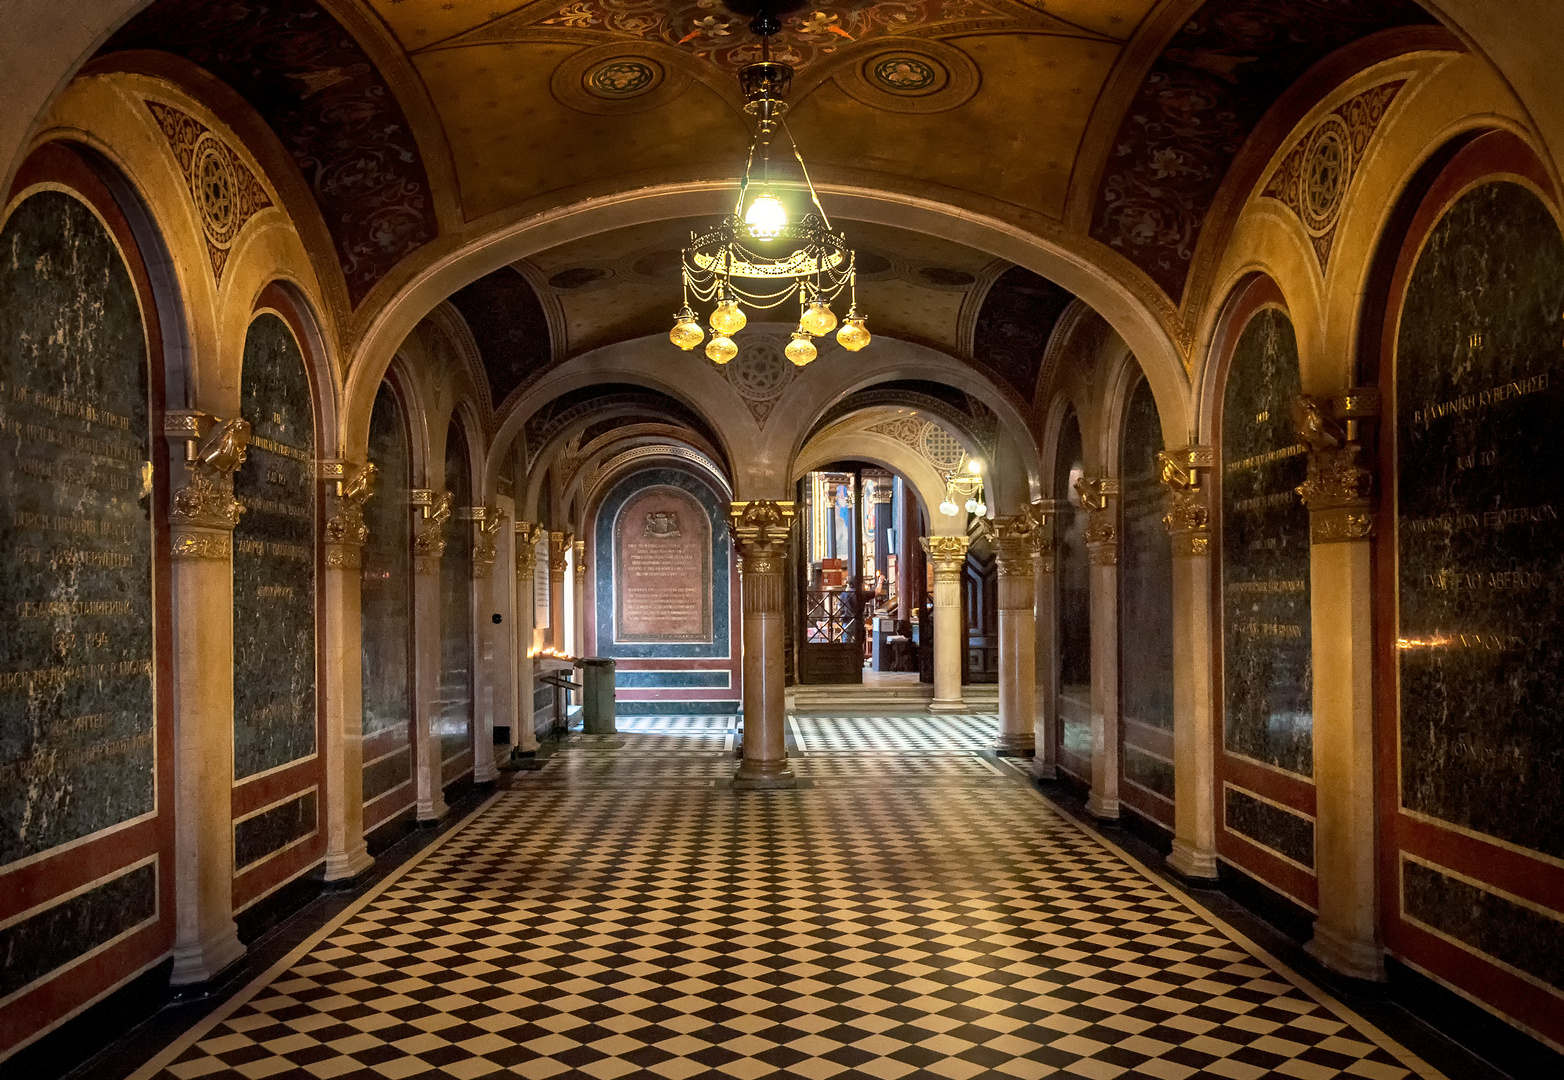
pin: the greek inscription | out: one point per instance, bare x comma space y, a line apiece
1270, 457
1282, 631
1242, 587
1482, 399
50, 762
1503, 580
1502, 518
1266, 502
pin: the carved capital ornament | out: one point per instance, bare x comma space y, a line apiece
1339, 487
1102, 529
1188, 520
345, 531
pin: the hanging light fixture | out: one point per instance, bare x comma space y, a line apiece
969, 483
811, 262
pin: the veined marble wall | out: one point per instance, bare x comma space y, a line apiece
386, 603
78, 726
1266, 797
1145, 614
274, 557
1073, 574
1479, 544
453, 715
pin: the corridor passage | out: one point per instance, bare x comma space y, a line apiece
914, 909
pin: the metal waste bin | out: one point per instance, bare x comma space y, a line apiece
597, 695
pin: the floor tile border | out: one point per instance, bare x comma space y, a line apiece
1343, 1012
199, 1031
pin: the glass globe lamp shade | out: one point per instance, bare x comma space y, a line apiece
948, 508
686, 332
972, 505
801, 350
766, 217
727, 318
975, 466
853, 335
819, 319
720, 349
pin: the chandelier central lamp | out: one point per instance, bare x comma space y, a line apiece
758, 255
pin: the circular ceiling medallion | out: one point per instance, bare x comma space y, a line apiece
216, 187
944, 277
941, 447
579, 277
619, 79
1327, 166
904, 73
761, 372
611, 78
910, 76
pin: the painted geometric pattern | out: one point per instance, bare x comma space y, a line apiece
883, 922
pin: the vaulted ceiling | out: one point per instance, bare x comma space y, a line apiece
411, 122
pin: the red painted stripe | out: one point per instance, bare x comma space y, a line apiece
1279, 787
74, 867
1260, 863
250, 795
267, 875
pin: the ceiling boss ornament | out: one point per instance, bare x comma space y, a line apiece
758, 254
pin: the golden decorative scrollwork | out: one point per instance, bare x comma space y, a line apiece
202, 545
346, 523
486, 521
1188, 520
527, 536
1338, 489
214, 450
429, 539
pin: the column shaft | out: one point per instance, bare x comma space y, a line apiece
1045, 718
429, 791
343, 691
1016, 539
761, 530
1194, 705
1100, 498
948, 554
494, 594
556, 596
580, 646
525, 736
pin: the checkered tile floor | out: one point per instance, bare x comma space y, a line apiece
946, 923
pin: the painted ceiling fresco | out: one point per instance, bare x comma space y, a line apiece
329, 105
1013, 327
1208, 89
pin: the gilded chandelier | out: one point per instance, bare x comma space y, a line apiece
734, 261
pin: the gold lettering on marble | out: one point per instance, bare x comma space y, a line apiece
1503, 580
1482, 399
1267, 458
1286, 631
69, 609
50, 762
1475, 641
1241, 587
39, 679
85, 528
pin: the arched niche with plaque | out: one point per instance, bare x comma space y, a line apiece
1146, 614
386, 602
453, 714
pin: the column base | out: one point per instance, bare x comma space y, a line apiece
1347, 956
346, 865
950, 705
1044, 770
206, 960
763, 776
1013, 745
1192, 864
486, 775
1102, 809
431, 812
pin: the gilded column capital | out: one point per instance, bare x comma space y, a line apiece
527, 536
344, 531
1099, 497
947, 554
1016, 540
1188, 520
214, 450
556, 555
486, 522
761, 529
580, 548
429, 533
1339, 487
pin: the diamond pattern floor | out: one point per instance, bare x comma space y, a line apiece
918, 912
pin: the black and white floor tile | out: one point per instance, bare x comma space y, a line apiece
918, 912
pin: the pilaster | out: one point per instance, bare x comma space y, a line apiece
1338, 492
202, 520
1016, 540
343, 533
557, 542
431, 512
761, 532
492, 593
1045, 712
525, 735
1188, 522
579, 646
1100, 498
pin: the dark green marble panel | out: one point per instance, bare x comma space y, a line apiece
453, 715
385, 773
274, 556
77, 727
1480, 544
271, 830
1072, 572
386, 583
1268, 679
39, 944
1150, 772
1145, 570
1520, 936
1278, 829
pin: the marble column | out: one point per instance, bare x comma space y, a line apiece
760, 532
433, 511
579, 648
557, 543
491, 592
1100, 498
1045, 619
1194, 702
948, 556
525, 737
1015, 547
1338, 492
204, 513
348, 487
